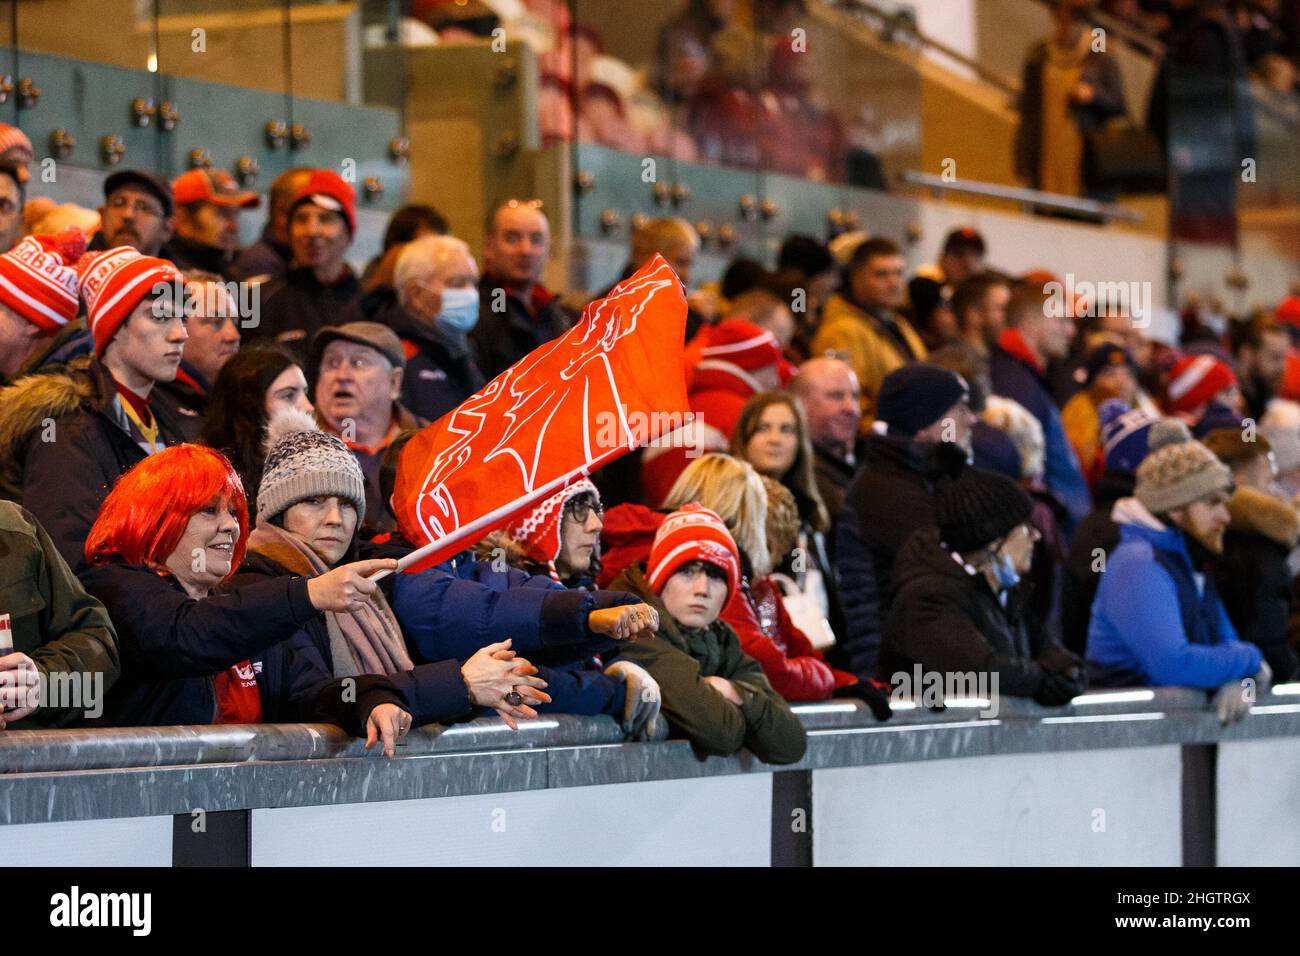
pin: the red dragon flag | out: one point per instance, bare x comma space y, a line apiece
612, 383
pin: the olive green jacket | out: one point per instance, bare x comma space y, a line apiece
680, 659
64, 630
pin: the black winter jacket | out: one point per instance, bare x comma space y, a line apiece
173, 646
1253, 578
435, 381
950, 621
297, 305
888, 500
62, 471
434, 693
502, 338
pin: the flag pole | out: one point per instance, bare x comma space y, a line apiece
488, 520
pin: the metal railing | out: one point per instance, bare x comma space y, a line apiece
1027, 198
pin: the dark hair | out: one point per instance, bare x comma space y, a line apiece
805, 254
971, 292
869, 249
407, 222
235, 423
10, 170
1251, 331
742, 275
799, 479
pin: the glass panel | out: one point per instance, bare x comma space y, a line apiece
1268, 198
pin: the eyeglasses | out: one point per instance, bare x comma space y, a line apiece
580, 509
140, 206
524, 204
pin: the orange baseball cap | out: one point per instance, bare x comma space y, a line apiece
212, 185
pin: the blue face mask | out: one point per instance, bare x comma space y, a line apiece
459, 309
1005, 571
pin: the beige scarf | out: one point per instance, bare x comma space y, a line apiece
368, 641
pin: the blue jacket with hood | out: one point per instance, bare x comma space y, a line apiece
1156, 621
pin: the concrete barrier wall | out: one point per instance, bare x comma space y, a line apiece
1139, 778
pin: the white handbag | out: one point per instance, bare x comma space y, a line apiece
806, 602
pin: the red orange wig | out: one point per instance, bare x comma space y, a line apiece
144, 517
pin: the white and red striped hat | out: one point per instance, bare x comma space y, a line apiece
1196, 379
539, 530
12, 138
693, 533
114, 282
38, 281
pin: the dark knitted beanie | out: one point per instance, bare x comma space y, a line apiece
978, 507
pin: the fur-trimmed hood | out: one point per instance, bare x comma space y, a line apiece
1261, 513
28, 402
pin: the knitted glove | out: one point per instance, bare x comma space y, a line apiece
870, 695
641, 705
1059, 688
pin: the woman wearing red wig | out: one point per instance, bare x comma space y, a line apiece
171, 530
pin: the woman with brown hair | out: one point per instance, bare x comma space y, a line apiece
772, 436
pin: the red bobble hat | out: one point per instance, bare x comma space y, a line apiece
539, 530
38, 281
114, 282
744, 345
693, 533
329, 190
1195, 379
1288, 311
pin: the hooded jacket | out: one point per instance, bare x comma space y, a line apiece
950, 621
64, 441
1156, 620
174, 646
679, 659
435, 381
889, 500
1253, 578
54, 621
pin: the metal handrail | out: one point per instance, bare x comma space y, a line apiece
889, 23
1030, 197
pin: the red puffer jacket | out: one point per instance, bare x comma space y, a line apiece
626, 538
767, 634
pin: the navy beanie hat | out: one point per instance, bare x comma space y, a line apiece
916, 396
1124, 434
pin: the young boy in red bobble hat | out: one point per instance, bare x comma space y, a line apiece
713, 692
66, 437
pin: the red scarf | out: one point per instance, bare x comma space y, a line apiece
238, 700
139, 405
1012, 342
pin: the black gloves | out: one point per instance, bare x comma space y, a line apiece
870, 695
1065, 676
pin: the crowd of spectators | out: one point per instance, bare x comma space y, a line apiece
955, 470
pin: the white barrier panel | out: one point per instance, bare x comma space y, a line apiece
1077, 808
1258, 803
713, 821
126, 841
